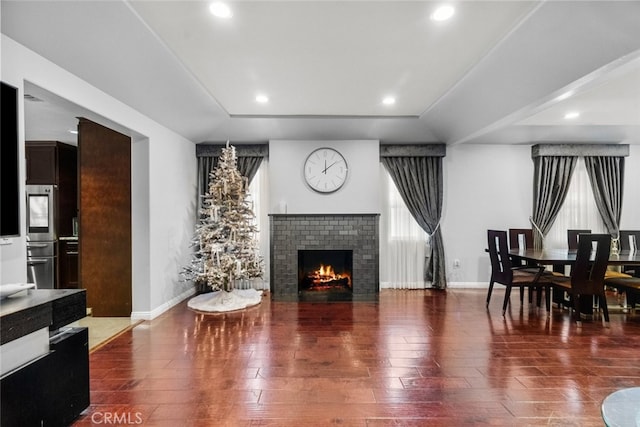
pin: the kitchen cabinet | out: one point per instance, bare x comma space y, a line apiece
55, 163
68, 263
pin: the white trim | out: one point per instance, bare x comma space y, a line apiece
405, 285
467, 285
150, 315
422, 285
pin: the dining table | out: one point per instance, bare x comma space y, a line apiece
562, 257
559, 258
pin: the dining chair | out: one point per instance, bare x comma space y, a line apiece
515, 235
572, 238
587, 273
504, 273
630, 286
524, 236
630, 241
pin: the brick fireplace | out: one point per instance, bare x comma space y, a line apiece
355, 233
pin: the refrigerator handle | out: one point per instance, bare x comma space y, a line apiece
36, 245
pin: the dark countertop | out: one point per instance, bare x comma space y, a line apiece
22, 313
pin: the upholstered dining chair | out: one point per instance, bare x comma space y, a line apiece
630, 286
504, 273
572, 238
587, 275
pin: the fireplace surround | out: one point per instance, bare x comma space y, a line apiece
356, 233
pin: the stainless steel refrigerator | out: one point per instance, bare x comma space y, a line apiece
41, 236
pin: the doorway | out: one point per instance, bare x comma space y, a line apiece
50, 117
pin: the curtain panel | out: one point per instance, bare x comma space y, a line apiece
552, 175
553, 168
606, 175
419, 180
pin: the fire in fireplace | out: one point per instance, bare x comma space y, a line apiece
325, 270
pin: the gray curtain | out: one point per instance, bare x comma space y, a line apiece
552, 175
606, 175
420, 183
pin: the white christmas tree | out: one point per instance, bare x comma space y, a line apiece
226, 233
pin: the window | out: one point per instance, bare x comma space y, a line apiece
403, 243
579, 210
258, 190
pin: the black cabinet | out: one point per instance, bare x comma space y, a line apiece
52, 390
70, 391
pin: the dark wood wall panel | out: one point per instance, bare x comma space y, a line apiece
105, 219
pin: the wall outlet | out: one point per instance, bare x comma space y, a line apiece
456, 263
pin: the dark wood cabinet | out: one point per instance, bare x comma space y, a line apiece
68, 264
41, 162
52, 162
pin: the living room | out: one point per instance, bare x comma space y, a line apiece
500, 85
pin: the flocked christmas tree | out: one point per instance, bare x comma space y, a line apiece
226, 233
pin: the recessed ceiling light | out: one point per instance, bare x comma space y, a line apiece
442, 13
73, 131
572, 115
219, 9
389, 100
262, 99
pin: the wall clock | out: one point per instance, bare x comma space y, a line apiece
325, 170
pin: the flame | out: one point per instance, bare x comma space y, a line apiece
326, 271
326, 274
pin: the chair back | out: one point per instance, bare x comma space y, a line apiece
572, 238
587, 274
499, 255
514, 238
629, 238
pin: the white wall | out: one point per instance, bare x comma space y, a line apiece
630, 219
163, 183
359, 194
485, 186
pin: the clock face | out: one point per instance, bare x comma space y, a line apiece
325, 170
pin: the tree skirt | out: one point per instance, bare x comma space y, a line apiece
221, 301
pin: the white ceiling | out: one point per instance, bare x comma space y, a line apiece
491, 74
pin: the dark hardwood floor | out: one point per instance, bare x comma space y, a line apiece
415, 358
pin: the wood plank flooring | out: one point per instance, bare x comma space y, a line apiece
415, 358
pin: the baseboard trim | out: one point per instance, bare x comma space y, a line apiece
467, 285
150, 315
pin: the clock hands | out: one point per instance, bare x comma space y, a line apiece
327, 167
